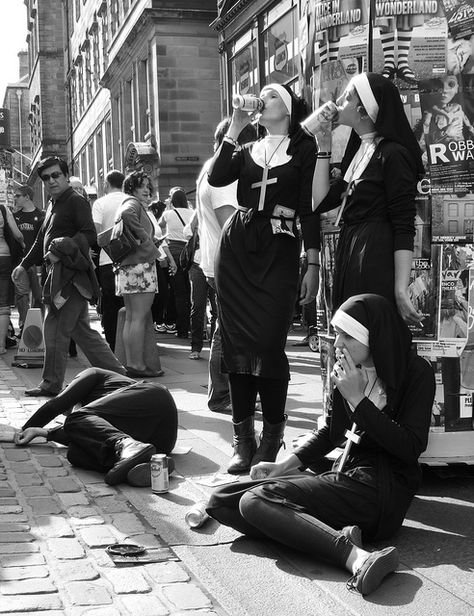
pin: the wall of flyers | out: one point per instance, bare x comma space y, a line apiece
427, 48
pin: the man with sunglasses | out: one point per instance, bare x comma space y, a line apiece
63, 243
28, 219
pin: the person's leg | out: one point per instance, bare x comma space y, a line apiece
182, 293
212, 297
243, 393
57, 331
137, 308
110, 303
218, 394
273, 393
35, 288
163, 293
198, 306
22, 296
91, 343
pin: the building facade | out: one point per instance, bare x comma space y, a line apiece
142, 78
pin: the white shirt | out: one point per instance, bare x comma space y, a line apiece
174, 226
104, 211
208, 200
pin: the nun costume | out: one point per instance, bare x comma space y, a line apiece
381, 474
257, 269
376, 192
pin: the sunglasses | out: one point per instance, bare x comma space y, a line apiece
55, 175
17, 195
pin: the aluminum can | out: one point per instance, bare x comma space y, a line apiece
327, 113
160, 482
247, 102
197, 516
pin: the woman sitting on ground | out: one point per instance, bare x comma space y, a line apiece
385, 391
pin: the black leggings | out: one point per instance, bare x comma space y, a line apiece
243, 394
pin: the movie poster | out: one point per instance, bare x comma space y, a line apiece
452, 218
447, 105
409, 40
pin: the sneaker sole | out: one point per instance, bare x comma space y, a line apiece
140, 475
119, 473
378, 569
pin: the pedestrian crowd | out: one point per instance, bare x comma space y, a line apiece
229, 269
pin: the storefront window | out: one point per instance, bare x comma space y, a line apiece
280, 40
244, 65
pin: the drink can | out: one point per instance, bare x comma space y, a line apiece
247, 102
325, 114
159, 473
197, 516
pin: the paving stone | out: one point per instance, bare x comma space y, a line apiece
148, 540
8, 501
20, 468
27, 587
128, 523
14, 517
17, 455
65, 484
165, 573
126, 581
12, 527
56, 526
29, 480
186, 596
88, 477
144, 605
43, 505
66, 549
6, 491
100, 489
101, 611
110, 504
79, 511
79, 570
97, 536
69, 500
88, 593
10, 509
50, 460
18, 548
14, 537
30, 491
55, 472
21, 560
91, 521
24, 573
42, 603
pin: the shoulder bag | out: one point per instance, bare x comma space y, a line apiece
118, 241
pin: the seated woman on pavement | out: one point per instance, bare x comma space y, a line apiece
113, 424
385, 391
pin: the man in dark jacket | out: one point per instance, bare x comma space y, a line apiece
67, 315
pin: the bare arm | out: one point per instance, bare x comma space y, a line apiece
403, 261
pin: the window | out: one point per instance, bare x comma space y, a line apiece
453, 210
108, 144
280, 41
90, 178
105, 38
453, 227
99, 148
114, 16
142, 121
469, 210
243, 65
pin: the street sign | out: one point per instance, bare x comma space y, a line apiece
4, 128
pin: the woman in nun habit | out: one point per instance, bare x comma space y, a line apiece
376, 191
384, 394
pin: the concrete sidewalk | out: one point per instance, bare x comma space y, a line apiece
55, 522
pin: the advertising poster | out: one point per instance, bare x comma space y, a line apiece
448, 131
409, 40
324, 305
452, 218
460, 17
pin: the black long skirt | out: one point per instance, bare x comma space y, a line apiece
256, 278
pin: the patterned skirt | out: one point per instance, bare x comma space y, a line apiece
138, 278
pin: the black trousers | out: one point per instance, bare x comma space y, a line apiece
110, 303
144, 411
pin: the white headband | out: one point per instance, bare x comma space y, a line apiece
362, 85
283, 93
350, 326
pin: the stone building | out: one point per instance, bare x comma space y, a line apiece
142, 78
18, 157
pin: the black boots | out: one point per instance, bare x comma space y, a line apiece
271, 440
244, 446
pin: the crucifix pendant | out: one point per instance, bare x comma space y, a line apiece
352, 437
263, 186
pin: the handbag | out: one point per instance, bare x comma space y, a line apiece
118, 241
186, 256
16, 250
